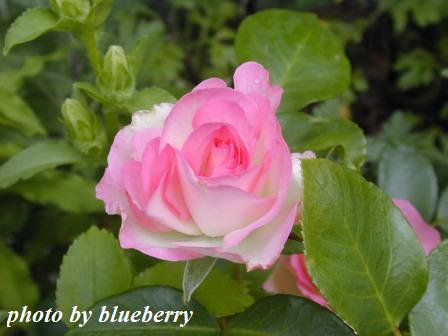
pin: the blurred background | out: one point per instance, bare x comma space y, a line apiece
398, 95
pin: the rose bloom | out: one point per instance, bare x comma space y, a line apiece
208, 176
290, 275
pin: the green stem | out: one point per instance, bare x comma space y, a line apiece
87, 37
112, 123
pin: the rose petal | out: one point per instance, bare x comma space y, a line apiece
264, 245
253, 78
283, 181
209, 204
158, 245
211, 83
303, 280
282, 279
428, 236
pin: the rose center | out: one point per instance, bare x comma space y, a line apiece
224, 154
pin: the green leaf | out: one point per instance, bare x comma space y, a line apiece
282, 315
16, 113
93, 269
292, 247
219, 293
303, 132
11, 81
361, 252
36, 158
90, 90
302, 55
17, 288
430, 316
29, 26
442, 210
416, 68
195, 272
158, 299
78, 194
147, 98
405, 173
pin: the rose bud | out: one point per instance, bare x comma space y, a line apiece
116, 78
82, 127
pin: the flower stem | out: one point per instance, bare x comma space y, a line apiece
87, 37
112, 123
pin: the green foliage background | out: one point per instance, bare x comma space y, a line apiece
397, 95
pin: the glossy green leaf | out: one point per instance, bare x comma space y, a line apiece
304, 132
158, 299
17, 289
36, 158
16, 113
430, 316
69, 192
219, 293
282, 315
195, 272
301, 54
405, 173
147, 98
361, 252
29, 26
93, 269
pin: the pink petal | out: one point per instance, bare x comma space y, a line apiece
264, 245
179, 123
253, 78
279, 183
428, 236
282, 279
209, 161
209, 204
158, 245
228, 113
167, 213
211, 83
111, 194
303, 279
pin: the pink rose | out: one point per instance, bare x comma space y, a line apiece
208, 176
290, 275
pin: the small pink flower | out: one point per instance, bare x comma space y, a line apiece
291, 276
208, 176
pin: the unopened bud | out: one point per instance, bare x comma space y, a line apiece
82, 126
77, 12
116, 76
72, 9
